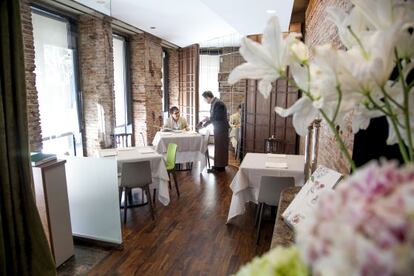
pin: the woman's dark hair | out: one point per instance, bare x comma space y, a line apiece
207, 94
173, 109
239, 106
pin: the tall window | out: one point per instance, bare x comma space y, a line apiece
209, 69
120, 84
56, 83
165, 83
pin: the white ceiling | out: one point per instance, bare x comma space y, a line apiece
184, 22
250, 16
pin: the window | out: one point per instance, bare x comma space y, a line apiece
56, 82
209, 70
121, 84
165, 83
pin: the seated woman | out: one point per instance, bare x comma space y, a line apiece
175, 121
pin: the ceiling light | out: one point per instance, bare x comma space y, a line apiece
271, 11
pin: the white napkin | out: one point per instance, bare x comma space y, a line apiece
276, 165
146, 151
125, 149
277, 155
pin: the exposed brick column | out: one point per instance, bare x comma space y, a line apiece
173, 76
97, 81
320, 30
146, 60
33, 113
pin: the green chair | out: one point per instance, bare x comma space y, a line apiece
170, 164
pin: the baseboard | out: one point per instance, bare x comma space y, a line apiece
92, 242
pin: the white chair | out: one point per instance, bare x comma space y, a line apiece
135, 175
269, 193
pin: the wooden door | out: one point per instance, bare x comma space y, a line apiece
188, 83
261, 121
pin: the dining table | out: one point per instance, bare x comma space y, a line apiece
246, 183
191, 146
159, 172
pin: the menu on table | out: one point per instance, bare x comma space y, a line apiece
322, 180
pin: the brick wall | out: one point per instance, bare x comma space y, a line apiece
320, 30
173, 76
33, 115
146, 61
96, 80
231, 95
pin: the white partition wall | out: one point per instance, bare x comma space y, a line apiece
94, 198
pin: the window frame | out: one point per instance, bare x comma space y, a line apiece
72, 32
166, 80
128, 91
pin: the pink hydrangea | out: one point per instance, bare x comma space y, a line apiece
365, 226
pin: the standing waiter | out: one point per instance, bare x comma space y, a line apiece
218, 117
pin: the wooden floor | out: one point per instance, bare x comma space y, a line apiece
189, 237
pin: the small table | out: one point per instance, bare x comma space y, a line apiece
192, 146
246, 183
159, 172
283, 235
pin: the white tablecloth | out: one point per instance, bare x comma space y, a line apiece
158, 170
246, 183
191, 146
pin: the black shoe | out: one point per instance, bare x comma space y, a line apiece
216, 169
212, 170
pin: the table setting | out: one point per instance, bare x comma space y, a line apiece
158, 168
246, 183
191, 145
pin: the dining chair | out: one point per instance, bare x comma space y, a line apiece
274, 145
170, 165
135, 175
269, 193
122, 140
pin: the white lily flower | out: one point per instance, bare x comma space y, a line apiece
318, 80
382, 14
391, 14
361, 117
405, 41
266, 61
303, 114
355, 20
300, 51
369, 68
395, 91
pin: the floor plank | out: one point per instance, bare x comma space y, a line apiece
189, 237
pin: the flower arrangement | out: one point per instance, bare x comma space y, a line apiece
278, 262
365, 226
358, 82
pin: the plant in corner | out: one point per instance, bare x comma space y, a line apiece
366, 227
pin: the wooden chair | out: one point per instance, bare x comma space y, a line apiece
135, 175
273, 145
122, 140
269, 193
